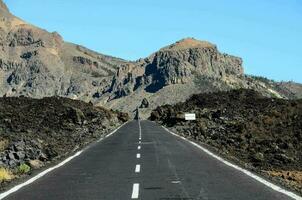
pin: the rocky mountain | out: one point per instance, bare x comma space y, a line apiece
291, 89
36, 63
186, 67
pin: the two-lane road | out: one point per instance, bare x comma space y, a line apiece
149, 164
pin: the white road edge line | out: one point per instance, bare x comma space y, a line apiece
138, 155
250, 174
139, 147
135, 191
41, 174
137, 168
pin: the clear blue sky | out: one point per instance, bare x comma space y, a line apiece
267, 34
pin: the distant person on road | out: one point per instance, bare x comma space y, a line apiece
136, 116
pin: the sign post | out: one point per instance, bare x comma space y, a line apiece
190, 116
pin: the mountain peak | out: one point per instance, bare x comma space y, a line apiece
3, 6
188, 43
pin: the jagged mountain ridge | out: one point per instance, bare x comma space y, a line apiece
186, 67
36, 63
177, 65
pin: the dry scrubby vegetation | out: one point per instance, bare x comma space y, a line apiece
5, 175
35, 132
9, 174
263, 134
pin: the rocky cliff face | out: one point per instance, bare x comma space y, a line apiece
36, 63
179, 63
182, 61
177, 71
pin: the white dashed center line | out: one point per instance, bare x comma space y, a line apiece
137, 168
175, 182
135, 191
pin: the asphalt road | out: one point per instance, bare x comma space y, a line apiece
161, 166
